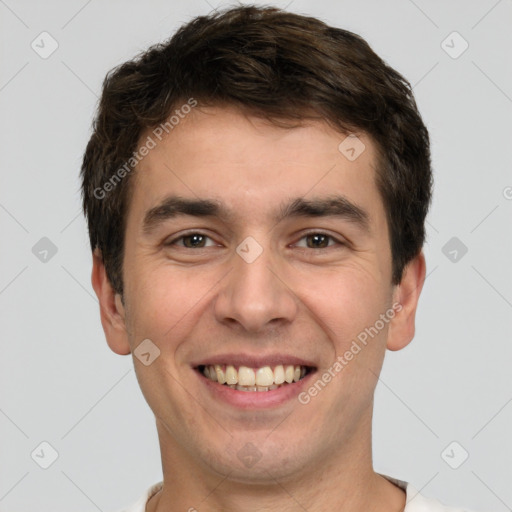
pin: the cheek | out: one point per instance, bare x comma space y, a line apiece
345, 302
165, 302
350, 306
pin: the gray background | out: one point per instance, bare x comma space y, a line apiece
61, 384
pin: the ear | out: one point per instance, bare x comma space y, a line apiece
111, 307
407, 294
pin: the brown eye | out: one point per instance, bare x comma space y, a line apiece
320, 240
317, 240
192, 241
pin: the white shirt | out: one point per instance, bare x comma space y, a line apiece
414, 501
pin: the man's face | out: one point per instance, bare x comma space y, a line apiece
278, 275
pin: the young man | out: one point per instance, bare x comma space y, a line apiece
256, 190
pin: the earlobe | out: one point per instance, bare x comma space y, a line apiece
407, 293
112, 310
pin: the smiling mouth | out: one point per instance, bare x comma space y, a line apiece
265, 378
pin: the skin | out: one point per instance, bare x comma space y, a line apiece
295, 299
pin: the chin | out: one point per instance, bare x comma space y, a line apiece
257, 460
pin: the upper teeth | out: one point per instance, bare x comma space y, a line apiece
245, 376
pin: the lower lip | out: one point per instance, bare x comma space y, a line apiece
255, 399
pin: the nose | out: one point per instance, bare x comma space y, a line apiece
255, 296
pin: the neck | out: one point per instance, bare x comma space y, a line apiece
343, 481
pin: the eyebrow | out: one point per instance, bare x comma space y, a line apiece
332, 206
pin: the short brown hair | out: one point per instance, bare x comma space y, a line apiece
276, 65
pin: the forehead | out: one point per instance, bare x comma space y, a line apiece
250, 163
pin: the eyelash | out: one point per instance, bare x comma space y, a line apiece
186, 235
